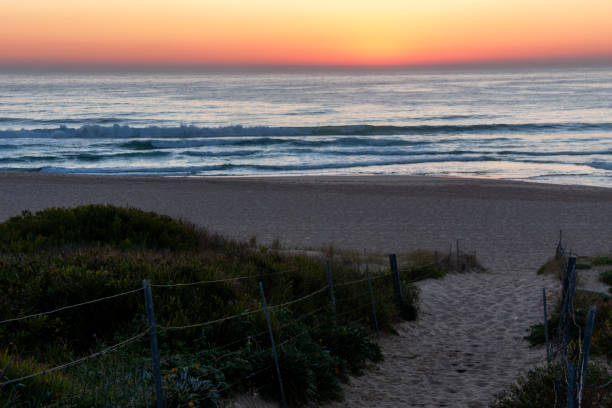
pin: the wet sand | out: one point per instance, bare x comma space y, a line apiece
468, 343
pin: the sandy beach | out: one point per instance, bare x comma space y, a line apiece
468, 343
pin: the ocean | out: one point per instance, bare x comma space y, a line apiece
544, 125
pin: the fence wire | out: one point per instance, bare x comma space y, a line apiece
89, 302
295, 324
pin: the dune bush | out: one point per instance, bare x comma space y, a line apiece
61, 257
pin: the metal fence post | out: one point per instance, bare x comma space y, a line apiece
278, 372
330, 283
153, 340
373, 301
396, 280
586, 349
546, 327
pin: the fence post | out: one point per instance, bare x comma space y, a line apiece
571, 396
571, 286
396, 280
372, 300
546, 327
330, 283
457, 255
436, 259
153, 340
586, 349
559, 250
278, 373
567, 306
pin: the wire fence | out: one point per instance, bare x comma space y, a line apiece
568, 347
213, 360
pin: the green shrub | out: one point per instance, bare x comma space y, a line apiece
311, 369
93, 224
351, 344
606, 277
192, 387
36, 392
583, 266
602, 260
537, 336
536, 389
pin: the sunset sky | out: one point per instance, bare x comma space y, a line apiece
311, 32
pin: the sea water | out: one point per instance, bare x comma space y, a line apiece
548, 125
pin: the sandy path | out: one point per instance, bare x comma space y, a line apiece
468, 343
466, 346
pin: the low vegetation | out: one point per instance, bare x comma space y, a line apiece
61, 257
547, 387
602, 334
606, 277
553, 266
602, 260
541, 388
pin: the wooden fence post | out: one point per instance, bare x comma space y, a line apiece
586, 349
397, 289
278, 372
332, 296
457, 255
567, 307
571, 287
546, 327
559, 250
153, 340
571, 395
373, 301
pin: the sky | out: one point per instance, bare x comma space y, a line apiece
302, 32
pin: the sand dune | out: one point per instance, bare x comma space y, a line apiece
468, 343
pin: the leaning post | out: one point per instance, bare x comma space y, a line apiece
159, 393
278, 372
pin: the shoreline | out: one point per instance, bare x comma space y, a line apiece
289, 178
380, 213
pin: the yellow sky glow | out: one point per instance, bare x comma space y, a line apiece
332, 32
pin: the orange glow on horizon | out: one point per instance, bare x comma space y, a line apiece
341, 32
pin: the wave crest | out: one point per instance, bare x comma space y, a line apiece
190, 132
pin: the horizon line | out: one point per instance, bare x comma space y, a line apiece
559, 62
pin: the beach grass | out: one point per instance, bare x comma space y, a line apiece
540, 387
60, 257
